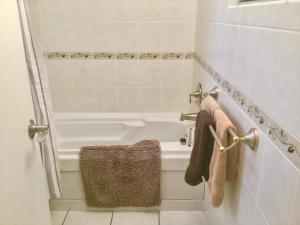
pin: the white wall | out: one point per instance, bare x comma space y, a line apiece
117, 27
255, 49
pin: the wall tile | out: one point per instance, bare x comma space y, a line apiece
277, 186
245, 53
59, 74
174, 99
288, 92
127, 37
85, 100
62, 99
105, 72
149, 37
172, 73
107, 99
295, 217
128, 99
292, 16
149, 10
82, 73
52, 10
150, 73
128, 73
54, 36
104, 37
259, 218
125, 10
149, 100
78, 36
271, 15
173, 10
172, 36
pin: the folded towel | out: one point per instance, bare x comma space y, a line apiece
122, 175
202, 150
223, 166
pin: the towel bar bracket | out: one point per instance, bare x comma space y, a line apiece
251, 139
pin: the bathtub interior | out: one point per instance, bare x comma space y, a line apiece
77, 130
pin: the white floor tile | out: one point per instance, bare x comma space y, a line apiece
135, 218
58, 217
181, 218
88, 218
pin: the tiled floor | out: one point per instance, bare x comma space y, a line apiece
128, 218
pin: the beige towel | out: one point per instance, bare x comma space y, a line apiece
223, 166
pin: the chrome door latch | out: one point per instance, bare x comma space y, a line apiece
33, 129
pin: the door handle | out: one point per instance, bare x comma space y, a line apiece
33, 129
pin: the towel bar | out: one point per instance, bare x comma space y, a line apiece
251, 138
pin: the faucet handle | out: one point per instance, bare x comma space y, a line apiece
197, 94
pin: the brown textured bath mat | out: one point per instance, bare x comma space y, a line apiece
122, 175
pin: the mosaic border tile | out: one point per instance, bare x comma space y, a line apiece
285, 141
120, 55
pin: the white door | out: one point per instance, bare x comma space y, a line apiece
23, 190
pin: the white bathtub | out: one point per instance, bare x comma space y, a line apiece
77, 130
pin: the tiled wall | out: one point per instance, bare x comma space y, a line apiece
255, 48
117, 27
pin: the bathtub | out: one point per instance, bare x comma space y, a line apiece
76, 130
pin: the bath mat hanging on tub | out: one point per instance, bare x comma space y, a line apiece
122, 175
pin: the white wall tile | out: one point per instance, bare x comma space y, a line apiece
149, 10
172, 36
126, 37
259, 218
105, 72
150, 73
272, 15
128, 73
104, 37
174, 10
149, 100
295, 217
128, 99
172, 73
125, 10
107, 99
78, 36
149, 37
54, 36
52, 10
292, 20
277, 186
59, 74
82, 73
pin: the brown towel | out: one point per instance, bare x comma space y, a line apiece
202, 150
223, 166
122, 175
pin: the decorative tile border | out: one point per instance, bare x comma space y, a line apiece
120, 55
280, 136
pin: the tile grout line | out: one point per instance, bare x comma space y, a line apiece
111, 219
64, 220
158, 217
